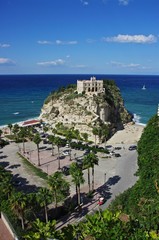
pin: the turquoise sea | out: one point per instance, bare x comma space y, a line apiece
22, 96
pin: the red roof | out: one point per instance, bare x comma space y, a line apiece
31, 122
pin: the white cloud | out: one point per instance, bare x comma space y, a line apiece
4, 45
6, 62
44, 42
124, 2
123, 65
79, 66
85, 3
58, 42
57, 62
131, 39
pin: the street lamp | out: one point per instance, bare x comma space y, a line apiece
104, 177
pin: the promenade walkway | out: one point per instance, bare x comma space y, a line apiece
4, 233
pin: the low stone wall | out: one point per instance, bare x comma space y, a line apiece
8, 225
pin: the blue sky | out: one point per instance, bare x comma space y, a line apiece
79, 36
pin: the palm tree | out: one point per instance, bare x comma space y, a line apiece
105, 132
22, 135
37, 140
69, 137
41, 230
18, 203
5, 183
77, 179
85, 136
58, 143
54, 131
10, 126
77, 134
15, 130
45, 129
44, 198
52, 139
86, 163
59, 187
93, 160
95, 133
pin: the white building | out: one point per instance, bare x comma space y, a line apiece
90, 86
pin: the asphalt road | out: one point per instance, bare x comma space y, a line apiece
112, 176
124, 178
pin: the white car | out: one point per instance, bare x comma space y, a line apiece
66, 153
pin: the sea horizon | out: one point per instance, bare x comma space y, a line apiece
22, 95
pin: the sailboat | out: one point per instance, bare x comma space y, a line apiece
143, 88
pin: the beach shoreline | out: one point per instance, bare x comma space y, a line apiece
129, 135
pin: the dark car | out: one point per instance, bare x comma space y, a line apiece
109, 146
66, 170
16, 183
117, 148
117, 155
79, 163
87, 151
45, 141
133, 147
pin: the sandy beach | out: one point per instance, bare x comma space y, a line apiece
129, 135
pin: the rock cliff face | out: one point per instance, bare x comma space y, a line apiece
85, 111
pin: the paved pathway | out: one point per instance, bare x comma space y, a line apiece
112, 175
119, 177
11, 161
4, 233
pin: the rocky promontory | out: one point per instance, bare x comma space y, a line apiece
86, 110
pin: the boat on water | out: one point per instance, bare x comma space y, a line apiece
143, 88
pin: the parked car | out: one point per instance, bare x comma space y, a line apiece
109, 146
117, 148
45, 141
133, 147
101, 201
66, 170
117, 155
66, 153
86, 152
79, 161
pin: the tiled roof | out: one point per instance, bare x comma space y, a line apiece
30, 122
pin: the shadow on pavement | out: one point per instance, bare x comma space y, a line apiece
104, 190
14, 166
88, 204
4, 164
113, 180
21, 184
3, 156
